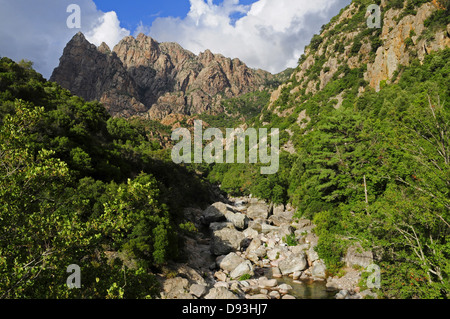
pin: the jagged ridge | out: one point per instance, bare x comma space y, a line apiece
143, 77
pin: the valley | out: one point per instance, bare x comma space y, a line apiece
357, 208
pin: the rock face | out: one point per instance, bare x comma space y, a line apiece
356, 256
403, 37
394, 52
143, 77
95, 74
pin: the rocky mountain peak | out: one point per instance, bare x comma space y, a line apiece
146, 78
206, 57
104, 48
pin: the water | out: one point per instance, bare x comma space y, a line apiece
306, 289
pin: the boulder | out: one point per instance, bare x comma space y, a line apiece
258, 211
175, 288
284, 289
276, 273
299, 249
226, 240
256, 247
278, 209
250, 233
312, 256
311, 239
198, 290
274, 295
279, 220
276, 253
220, 293
285, 230
240, 221
292, 264
252, 257
215, 213
245, 268
319, 270
229, 262
222, 284
296, 275
266, 283
220, 276
255, 225
266, 228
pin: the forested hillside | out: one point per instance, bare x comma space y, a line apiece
368, 164
79, 187
364, 123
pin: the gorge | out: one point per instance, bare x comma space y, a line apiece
358, 206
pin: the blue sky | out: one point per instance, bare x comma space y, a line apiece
265, 34
132, 12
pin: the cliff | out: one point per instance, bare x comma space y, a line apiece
141, 77
377, 56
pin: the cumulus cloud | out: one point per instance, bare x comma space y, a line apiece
268, 34
37, 30
107, 30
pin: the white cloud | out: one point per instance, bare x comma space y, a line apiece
107, 30
270, 35
37, 30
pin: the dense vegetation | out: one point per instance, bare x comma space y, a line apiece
79, 187
375, 171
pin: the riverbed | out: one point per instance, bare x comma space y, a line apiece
304, 289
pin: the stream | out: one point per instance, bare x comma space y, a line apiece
304, 289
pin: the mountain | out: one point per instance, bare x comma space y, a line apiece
361, 200
360, 58
143, 77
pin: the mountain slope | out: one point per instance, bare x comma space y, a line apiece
364, 121
347, 57
143, 77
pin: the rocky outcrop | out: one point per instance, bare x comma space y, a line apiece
402, 38
347, 45
358, 257
395, 52
96, 74
140, 76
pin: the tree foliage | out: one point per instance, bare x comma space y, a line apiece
78, 187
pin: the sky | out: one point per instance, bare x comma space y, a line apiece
265, 34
